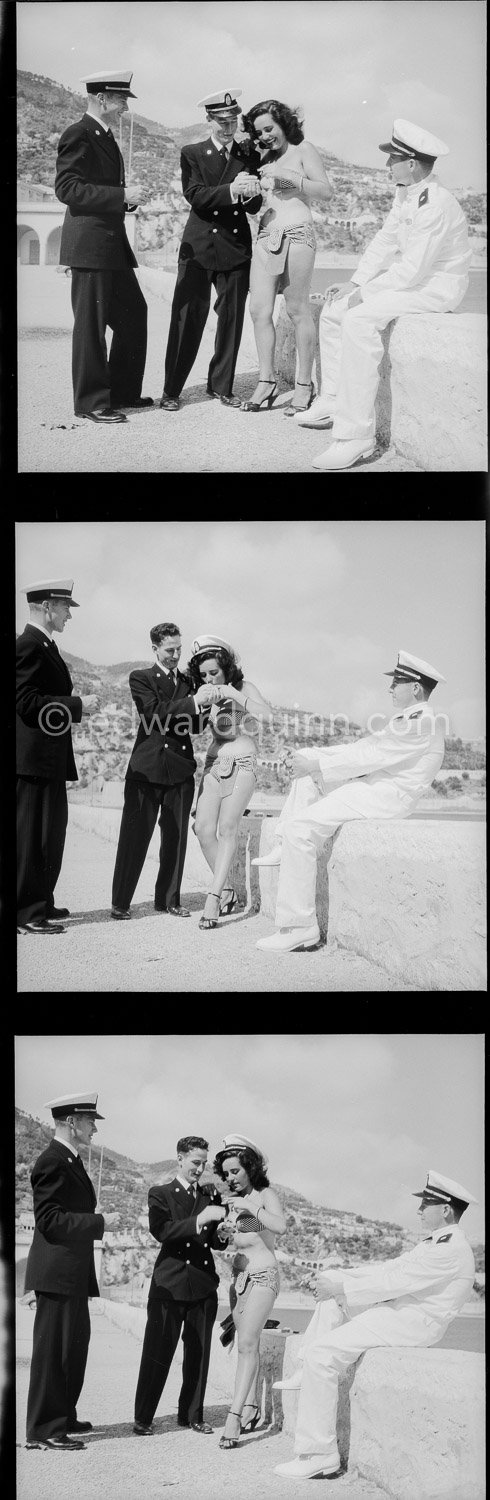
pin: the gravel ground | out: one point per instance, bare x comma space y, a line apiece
157, 952
117, 1465
203, 437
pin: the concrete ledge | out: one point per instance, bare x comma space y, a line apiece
408, 895
431, 401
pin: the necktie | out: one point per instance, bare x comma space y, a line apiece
224, 153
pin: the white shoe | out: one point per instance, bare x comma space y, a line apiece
309, 1466
272, 858
293, 1384
290, 938
342, 454
318, 415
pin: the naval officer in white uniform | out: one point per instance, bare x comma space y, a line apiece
385, 773
418, 1295
417, 263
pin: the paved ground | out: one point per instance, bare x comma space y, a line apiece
154, 952
116, 1465
203, 437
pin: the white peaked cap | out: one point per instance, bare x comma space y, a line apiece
75, 1104
439, 1189
412, 140
241, 1141
50, 588
412, 668
109, 80
201, 643
223, 99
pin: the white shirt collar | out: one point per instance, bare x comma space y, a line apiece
219, 144
59, 1142
99, 122
41, 628
185, 1184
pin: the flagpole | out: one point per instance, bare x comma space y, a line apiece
100, 1174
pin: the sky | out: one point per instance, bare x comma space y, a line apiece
354, 65
317, 610
352, 1121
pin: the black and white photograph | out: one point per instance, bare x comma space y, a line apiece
250, 757
191, 301
250, 1264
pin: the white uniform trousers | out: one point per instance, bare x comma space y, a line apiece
308, 818
329, 1349
351, 350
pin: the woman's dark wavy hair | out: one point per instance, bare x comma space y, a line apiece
253, 1165
283, 116
232, 673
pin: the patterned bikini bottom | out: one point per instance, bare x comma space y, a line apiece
268, 1277
277, 240
225, 769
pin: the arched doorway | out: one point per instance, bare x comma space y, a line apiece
53, 246
28, 248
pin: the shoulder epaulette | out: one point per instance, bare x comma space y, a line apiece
443, 1239
424, 197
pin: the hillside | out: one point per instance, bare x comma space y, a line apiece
314, 1233
361, 199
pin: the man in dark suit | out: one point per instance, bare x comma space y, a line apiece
46, 709
104, 289
219, 183
61, 1270
183, 1290
160, 775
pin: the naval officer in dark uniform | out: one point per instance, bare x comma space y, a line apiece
160, 774
104, 289
183, 1290
221, 187
46, 708
60, 1269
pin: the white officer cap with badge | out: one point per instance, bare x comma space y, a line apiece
203, 645
439, 1189
410, 140
75, 1104
412, 669
110, 81
50, 588
242, 1141
222, 105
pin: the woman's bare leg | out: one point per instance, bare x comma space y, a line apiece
231, 811
301, 260
206, 820
262, 299
258, 1303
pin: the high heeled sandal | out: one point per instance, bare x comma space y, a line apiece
250, 1426
225, 1442
206, 922
290, 410
227, 906
266, 403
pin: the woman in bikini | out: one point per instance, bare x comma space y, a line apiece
242, 1166
292, 175
230, 770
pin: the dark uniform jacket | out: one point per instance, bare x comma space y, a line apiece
161, 754
217, 232
43, 679
61, 1257
185, 1269
90, 180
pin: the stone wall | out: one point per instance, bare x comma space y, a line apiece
431, 403
406, 894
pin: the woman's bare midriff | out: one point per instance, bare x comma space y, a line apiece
288, 207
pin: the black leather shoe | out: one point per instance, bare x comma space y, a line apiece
201, 1427
175, 911
169, 403
66, 1444
57, 913
43, 927
225, 400
103, 414
141, 1431
120, 914
80, 1427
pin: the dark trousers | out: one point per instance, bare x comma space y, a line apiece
42, 816
59, 1356
140, 812
190, 309
102, 299
164, 1322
